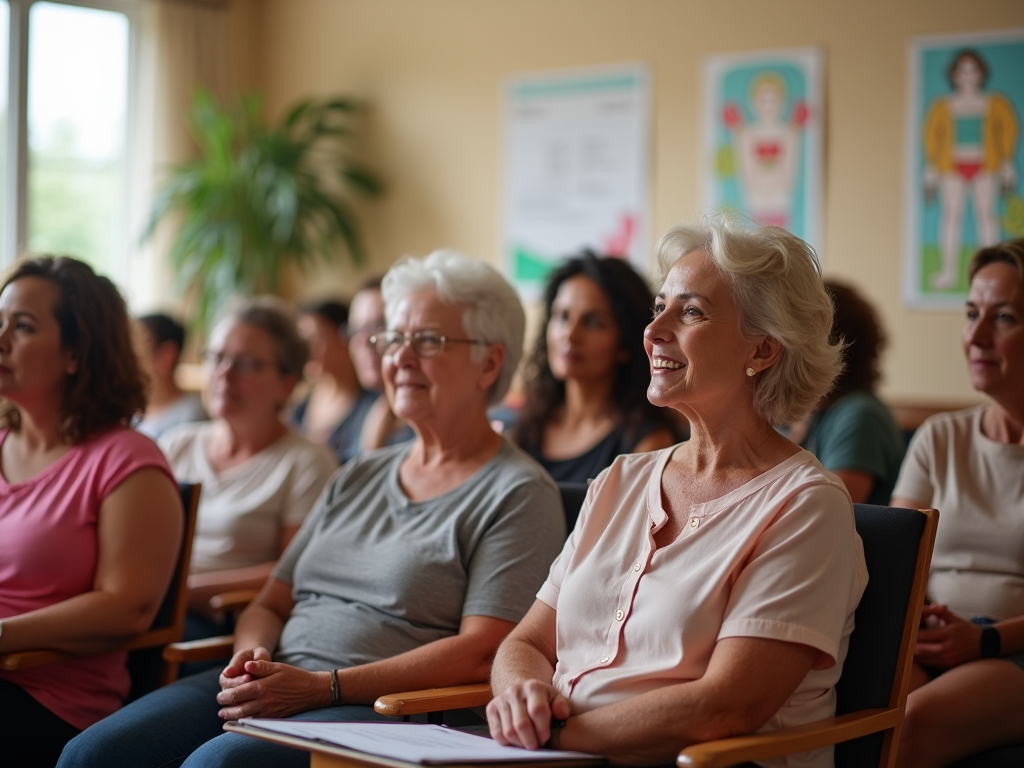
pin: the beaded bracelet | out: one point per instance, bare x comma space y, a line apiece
335, 689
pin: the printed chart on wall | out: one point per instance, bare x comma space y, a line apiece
576, 174
762, 154
964, 159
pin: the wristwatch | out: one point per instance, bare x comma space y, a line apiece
991, 642
556, 726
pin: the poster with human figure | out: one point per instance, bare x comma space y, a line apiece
762, 137
964, 158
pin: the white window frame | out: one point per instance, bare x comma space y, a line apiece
16, 182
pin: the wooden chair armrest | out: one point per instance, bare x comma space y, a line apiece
786, 741
433, 700
200, 650
15, 660
235, 600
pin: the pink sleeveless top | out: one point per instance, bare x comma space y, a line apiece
48, 553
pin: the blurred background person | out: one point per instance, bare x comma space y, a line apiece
366, 318
586, 387
260, 479
335, 407
90, 515
968, 677
852, 432
161, 340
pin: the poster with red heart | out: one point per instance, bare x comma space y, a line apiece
762, 137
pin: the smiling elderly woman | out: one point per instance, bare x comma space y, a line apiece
414, 565
708, 589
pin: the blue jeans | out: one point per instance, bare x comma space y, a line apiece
178, 726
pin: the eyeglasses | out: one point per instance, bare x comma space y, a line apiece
352, 332
241, 364
423, 343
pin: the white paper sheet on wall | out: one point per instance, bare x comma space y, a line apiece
576, 169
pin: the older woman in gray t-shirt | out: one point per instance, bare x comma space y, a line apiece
415, 563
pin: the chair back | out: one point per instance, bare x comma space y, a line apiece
145, 664
573, 496
876, 673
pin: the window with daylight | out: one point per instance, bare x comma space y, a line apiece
67, 96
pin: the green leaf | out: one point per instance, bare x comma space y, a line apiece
261, 196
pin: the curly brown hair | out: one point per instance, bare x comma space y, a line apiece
108, 387
857, 327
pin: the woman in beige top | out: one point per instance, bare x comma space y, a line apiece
967, 692
260, 479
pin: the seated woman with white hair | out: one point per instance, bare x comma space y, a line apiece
708, 589
415, 563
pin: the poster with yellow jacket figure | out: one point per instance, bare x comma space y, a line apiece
965, 158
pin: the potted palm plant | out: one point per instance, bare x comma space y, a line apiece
260, 196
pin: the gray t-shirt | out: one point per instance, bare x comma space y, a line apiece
184, 410
374, 574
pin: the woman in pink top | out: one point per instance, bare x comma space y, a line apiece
709, 588
90, 516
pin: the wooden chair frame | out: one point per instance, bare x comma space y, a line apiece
153, 638
761, 746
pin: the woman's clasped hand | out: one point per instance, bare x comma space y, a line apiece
254, 685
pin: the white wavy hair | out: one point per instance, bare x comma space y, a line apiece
776, 283
491, 310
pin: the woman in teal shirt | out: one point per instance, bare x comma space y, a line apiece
852, 432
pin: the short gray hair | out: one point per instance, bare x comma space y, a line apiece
776, 283
279, 321
492, 311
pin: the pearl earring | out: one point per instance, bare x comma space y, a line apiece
750, 371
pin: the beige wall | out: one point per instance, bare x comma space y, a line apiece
432, 72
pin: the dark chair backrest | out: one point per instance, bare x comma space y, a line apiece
145, 664
891, 539
573, 496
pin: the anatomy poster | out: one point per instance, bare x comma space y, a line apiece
964, 158
576, 169
762, 151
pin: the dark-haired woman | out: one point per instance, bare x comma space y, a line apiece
852, 432
90, 517
334, 411
586, 397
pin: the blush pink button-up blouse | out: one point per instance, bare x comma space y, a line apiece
778, 557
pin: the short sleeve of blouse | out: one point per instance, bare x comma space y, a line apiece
313, 468
284, 570
121, 452
804, 577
